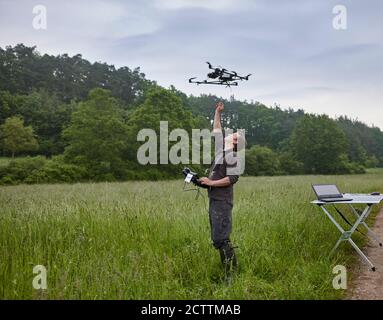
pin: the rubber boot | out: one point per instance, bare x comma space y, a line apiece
229, 260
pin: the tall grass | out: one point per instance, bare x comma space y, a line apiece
151, 240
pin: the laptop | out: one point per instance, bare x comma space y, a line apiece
328, 193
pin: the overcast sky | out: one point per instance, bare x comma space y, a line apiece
297, 58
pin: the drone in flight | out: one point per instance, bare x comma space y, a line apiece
221, 76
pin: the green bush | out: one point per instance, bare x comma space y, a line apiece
355, 168
156, 173
40, 170
56, 170
372, 162
7, 180
344, 166
288, 165
19, 169
261, 161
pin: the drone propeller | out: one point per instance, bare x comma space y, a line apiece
209, 64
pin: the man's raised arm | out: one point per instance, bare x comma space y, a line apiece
217, 116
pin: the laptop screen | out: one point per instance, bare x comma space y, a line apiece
327, 190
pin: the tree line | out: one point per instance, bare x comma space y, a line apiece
65, 119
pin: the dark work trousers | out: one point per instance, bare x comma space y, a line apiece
220, 221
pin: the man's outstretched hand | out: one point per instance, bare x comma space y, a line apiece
219, 106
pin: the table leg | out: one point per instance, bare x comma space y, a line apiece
362, 254
369, 231
346, 235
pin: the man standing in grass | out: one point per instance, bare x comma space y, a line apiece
221, 179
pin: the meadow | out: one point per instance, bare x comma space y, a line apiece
151, 240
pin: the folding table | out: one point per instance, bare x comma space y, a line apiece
369, 201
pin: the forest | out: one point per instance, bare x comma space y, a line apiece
65, 119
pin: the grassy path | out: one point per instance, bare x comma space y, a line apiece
368, 285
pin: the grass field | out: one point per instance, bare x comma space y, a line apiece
151, 240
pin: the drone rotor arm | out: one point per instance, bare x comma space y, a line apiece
210, 66
210, 82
